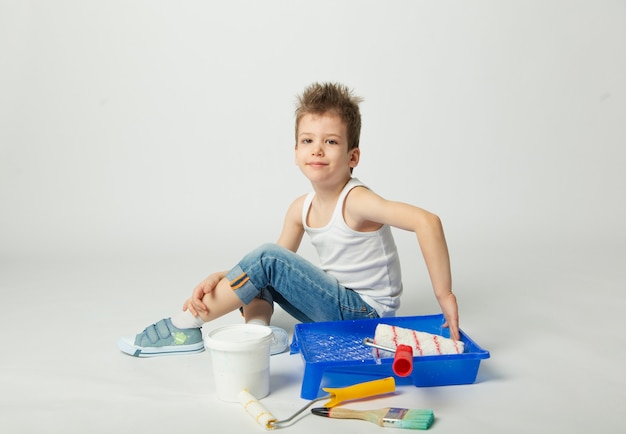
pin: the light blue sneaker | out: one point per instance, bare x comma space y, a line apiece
163, 339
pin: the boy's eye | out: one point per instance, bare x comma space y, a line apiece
306, 141
331, 142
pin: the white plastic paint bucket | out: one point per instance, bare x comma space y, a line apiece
241, 359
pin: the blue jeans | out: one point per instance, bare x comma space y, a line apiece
303, 290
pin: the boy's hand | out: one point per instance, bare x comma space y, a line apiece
194, 304
450, 312
454, 330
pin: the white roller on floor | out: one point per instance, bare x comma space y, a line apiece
255, 409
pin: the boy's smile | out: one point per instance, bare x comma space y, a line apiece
322, 148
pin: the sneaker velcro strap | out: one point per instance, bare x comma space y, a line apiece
158, 331
163, 329
151, 333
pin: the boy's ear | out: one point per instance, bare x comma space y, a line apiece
355, 155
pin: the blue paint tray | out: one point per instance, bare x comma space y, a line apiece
334, 355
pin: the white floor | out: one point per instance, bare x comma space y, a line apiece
552, 319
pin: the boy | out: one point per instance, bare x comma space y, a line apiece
349, 225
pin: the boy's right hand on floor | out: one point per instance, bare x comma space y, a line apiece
194, 304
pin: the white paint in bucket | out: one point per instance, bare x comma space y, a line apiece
241, 360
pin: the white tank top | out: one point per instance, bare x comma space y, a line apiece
366, 262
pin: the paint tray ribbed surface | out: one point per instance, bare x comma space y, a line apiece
335, 356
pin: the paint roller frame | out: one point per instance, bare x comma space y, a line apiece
402, 364
336, 396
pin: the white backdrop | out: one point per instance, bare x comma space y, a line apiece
158, 124
144, 144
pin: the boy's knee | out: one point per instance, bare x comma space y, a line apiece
269, 249
268, 256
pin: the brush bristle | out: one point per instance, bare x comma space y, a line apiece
417, 419
408, 418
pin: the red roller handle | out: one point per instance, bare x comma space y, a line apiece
403, 361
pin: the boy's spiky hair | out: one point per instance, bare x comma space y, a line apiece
319, 98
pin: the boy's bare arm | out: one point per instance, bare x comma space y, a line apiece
292, 232
364, 208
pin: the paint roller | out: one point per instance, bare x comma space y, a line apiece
404, 343
336, 396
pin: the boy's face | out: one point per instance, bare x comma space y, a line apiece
322, 148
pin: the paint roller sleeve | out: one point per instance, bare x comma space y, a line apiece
255, 409
423, 344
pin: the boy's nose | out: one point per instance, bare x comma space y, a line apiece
317, 150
